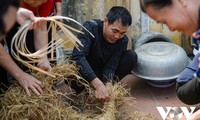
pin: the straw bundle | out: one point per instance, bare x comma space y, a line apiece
15, 104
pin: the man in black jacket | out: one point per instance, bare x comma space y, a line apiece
105, 56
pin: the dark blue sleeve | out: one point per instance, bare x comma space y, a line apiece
112, 64
188, 72
79, 55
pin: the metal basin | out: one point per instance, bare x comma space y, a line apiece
160, 61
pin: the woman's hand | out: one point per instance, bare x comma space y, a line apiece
196, 35
29, 82
45, 65
24, 15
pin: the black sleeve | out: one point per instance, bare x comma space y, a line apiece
112, 64
79, 55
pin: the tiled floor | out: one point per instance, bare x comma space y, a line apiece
148, 97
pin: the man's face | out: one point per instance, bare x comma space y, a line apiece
113, 32
35, 3
9, 19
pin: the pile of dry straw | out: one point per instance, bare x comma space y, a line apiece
17, 105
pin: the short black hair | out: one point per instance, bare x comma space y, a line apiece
119, 13
157, 4
4, 5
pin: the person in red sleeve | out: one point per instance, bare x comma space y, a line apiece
57, 7
40, 8
9, 14
36, 39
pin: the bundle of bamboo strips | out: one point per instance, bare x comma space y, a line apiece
19, 42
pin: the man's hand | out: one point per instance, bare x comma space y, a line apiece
29, 82
109, 88
101, 92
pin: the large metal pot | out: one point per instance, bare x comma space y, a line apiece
160, 62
